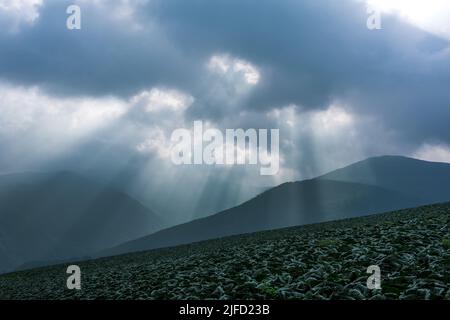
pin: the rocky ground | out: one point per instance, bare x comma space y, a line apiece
322, 261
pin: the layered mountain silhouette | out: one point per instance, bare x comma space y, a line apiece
427, 181
370, 186
51, 217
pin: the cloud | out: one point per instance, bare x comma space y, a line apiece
26, 108
430, 152
36, 127
107, 56
157, 143
315, 53
317, 141
15, 13
226, 65
157, 100
432, 17
107, 97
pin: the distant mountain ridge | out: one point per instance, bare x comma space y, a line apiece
370, 186
56, 216
53, 217
427, 181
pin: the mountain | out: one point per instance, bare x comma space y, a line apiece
57, 216
380, 184
321, 261
428, 181
223, 190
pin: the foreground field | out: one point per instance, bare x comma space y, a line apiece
322, 261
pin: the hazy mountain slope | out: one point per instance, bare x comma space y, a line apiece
46, 217
374, 185
222, 191
428, 181
320, 261
289, 204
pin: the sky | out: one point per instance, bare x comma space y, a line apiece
103, 100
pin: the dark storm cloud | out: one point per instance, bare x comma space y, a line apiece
105, 57
393, 84
309, 53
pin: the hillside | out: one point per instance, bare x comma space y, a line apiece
52, 217
289, 204
320, 261
370, 186
49, 218
428, 182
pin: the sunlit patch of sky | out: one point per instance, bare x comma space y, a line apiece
430, 15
